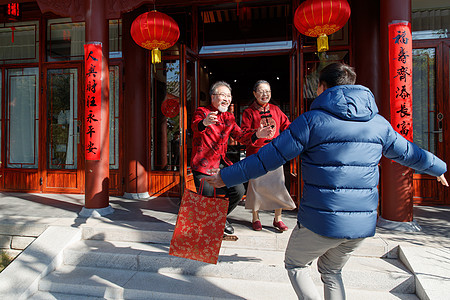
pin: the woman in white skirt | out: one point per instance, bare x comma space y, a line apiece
267, 192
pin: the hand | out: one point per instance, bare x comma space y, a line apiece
264, 132
210, 119
215, 180
442, 180
212, 171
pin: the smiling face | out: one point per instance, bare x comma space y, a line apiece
221, 99
262, 94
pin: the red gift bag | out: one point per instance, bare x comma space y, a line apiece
199, 229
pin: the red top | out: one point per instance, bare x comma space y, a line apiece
210, 145
269, 115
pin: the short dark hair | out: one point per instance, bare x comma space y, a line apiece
337, 74
216, 85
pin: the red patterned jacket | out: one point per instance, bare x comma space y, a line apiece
269, 115
210, 144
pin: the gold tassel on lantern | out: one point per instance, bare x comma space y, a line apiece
156, 56
322, 43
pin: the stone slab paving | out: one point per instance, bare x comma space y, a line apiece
30, 214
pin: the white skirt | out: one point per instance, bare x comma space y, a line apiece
268, 192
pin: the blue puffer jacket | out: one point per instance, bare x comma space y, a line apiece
340, 142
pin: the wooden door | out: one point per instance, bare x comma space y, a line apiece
20, 130
173, 99
430, 114
62, 166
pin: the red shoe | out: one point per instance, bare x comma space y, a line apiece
280, 225
257, 225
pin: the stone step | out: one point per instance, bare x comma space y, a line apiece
352, 294
128, 284
93, 283
255, 264
161, 233
60, 296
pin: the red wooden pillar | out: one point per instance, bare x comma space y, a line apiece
135, 113
97, 171
396, 180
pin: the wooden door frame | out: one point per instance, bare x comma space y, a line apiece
2, 126
441, 93
295, 60
186, 54
43, 163
116, 180
25, 180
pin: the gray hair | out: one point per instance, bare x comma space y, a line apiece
216, 85
258, 83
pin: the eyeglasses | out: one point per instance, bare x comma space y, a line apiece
263, 92
224, 95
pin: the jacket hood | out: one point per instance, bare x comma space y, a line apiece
348, 102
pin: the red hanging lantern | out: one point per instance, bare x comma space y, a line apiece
155, 31
320, 18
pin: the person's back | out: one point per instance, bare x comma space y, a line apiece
340, 163
340, 142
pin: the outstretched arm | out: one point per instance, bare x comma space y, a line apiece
409, 154
440, 179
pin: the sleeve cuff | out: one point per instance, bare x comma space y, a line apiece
201, 126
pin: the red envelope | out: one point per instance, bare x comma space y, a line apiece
199, 229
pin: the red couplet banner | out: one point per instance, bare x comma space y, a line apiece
93, 100
400, 76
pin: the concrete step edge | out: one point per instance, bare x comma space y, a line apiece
372, 247
104, 253
387, 274
120, 284
125, 284
20, 279
351, 294
40, 295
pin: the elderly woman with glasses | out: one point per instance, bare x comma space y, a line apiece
267, 192
212, 126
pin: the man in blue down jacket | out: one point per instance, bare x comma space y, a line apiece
340, 142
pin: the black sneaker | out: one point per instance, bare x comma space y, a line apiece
228, 228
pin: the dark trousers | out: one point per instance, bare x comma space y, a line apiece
234, 194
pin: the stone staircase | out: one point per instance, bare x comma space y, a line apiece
120, 262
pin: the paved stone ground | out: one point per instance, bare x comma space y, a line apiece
425, 252
48, 208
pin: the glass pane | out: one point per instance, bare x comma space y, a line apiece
65, 39
19, 42
424, 109
115, 38
114, 117
62, 118
430, 22
22, 118
165, 121
313, 64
